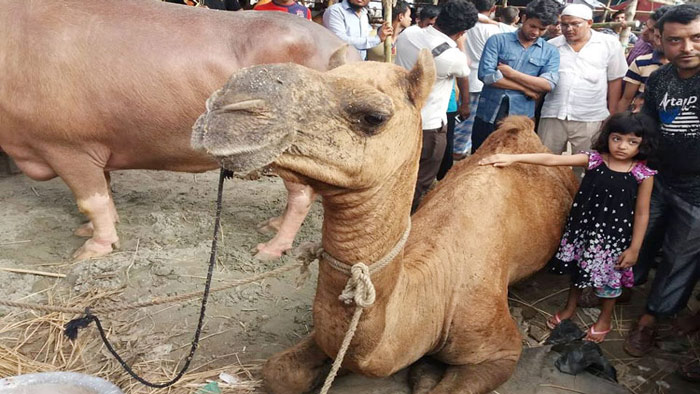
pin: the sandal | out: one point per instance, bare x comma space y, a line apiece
551, 324
592, 331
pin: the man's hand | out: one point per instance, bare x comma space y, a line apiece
464, 110
532, 94
505, 69
385, 31
627, 259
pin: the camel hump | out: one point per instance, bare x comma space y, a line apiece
515, 134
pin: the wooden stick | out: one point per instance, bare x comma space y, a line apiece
612, 25
15, 242
630, 12
31, 272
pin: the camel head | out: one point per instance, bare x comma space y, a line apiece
351, 127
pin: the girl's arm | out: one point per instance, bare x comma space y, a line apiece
543, 159
628, 258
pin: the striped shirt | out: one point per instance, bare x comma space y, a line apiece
641, 68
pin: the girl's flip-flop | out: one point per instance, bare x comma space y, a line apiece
552, 324
592, 331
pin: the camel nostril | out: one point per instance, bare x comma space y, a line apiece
247, 105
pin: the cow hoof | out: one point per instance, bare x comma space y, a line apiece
84, 230
92, 249
263, 253
271, 226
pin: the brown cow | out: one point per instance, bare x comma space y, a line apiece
88, 87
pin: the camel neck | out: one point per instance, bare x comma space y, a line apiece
365, 226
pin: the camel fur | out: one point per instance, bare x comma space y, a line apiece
354, 135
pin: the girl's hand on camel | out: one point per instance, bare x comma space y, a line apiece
497, 160
627, 259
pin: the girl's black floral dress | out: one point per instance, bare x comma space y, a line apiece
599, 227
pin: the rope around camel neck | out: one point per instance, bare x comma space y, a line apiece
359, 289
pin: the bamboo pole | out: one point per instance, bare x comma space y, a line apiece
387, 6
630, 12
612, 25
607, 9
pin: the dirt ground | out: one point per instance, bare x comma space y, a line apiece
165, 229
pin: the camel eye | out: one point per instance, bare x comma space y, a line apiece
374, 119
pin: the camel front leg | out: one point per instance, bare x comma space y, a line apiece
296, 370
299, 200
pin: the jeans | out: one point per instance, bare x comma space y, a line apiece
674, 225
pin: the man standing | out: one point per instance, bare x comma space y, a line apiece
428, 15
591, 68
671, 97
516, 68
640, 69
475, 40
456, 16
349, 21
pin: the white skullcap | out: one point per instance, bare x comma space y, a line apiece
579, 11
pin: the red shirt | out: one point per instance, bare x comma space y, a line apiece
294, 9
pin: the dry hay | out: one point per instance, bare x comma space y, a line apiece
31, 342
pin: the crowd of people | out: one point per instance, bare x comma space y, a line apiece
631, 122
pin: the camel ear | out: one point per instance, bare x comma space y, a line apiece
421, 78
339, 57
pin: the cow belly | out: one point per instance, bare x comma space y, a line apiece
30, 164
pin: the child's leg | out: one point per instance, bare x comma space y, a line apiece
601, 327
569, 309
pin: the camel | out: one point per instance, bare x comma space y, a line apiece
354, 135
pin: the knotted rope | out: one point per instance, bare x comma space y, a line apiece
360, 290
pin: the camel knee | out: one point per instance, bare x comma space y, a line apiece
295, 370
476, 378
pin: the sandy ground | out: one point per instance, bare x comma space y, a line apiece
165, 229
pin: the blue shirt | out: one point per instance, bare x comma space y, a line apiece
354, 29
539, 60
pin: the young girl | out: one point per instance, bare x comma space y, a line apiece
609, 216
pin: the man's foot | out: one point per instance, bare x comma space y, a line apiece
690, 371
640, 340
688, 324
596, 336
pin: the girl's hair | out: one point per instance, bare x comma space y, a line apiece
629, 123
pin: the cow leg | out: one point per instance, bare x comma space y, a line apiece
299, 200
87, 229
296, 370
87, 181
